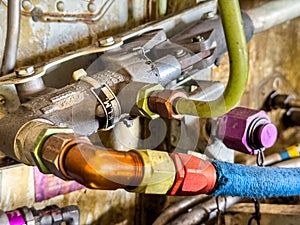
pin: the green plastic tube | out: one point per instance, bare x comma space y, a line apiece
238, 56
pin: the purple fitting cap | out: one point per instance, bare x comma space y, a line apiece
267, 135
247, 130
15, 218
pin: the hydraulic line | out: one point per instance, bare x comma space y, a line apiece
12, 37
237, 49
157, 172
204, 211
179, 208
255, 182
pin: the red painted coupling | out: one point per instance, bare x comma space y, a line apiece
162, 102
193, 175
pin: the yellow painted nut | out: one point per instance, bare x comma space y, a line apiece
38, 145
30, 138
159, 172
143, 98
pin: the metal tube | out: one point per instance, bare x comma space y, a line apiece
178, 208
237, 49
204, 211
12, 37
273, 13
102, 168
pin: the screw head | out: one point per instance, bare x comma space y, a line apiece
25, 71
26, 5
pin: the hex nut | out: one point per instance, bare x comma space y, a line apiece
54, 149
143, 99
30, 139
39, 142
162, 102
236, 128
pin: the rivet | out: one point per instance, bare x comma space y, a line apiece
60, 6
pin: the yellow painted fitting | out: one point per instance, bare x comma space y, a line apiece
143, 98
159, 172
30, 139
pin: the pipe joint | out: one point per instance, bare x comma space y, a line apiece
194, 175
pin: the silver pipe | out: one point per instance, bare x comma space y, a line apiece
12, 36
273, 13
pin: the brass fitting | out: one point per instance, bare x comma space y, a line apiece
30, 139
143, 99
162, 103
159, 172
54, 149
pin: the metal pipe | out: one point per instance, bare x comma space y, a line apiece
204, 211
12, 37
237, 49
102, 168
178, 208
274, 13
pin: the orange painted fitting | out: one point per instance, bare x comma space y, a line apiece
103, 169
194, 175
162, 103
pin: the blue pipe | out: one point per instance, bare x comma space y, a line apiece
255, 182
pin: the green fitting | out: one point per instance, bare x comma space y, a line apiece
30, 139
159, 172
238, 56
36, 150
143, 99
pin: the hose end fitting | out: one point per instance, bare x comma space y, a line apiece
194, 175
163, 103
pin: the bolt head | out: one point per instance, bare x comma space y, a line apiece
107, 41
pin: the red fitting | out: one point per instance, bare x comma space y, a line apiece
194, 175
